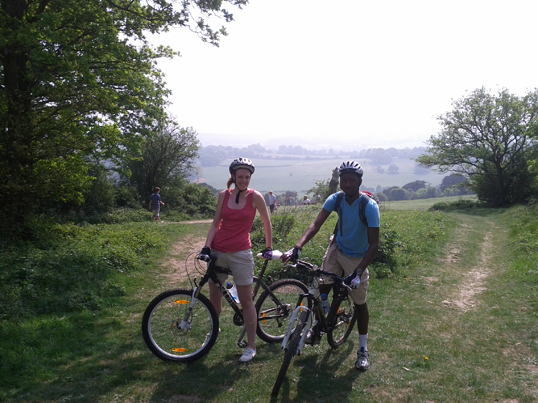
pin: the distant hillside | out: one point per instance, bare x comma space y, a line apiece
298, 169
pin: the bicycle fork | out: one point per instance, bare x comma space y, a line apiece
291, 325
185, 324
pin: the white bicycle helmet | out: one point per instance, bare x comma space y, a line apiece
350, 166
239, 163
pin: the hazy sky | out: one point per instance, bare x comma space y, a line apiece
347, 73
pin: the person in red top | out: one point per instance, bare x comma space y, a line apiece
229, 240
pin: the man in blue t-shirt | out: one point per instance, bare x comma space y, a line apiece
353, 248
155, 204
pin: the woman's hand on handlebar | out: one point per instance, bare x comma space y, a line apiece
205, 254
269, 254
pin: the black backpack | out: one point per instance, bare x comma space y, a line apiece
362, 207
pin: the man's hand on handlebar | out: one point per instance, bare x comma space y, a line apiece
292, 255
354, 279
205, 254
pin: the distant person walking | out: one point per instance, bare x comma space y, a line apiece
272, 202
155, 204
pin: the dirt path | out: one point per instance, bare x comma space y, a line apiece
182, 259
473, 281
182, 256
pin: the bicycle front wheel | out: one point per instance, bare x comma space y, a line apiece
290, 352
274, 308
173, 333
341, 320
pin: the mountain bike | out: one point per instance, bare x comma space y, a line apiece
181, 325
337, 325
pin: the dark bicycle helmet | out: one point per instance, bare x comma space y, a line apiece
239, 163
350, 166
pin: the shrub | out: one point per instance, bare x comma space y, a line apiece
385, 262
76, 271
456, 205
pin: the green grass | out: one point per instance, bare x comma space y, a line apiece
421, 204
424, 347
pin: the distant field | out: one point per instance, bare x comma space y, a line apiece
421, 204
299, 175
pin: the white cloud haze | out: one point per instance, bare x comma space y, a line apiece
347, 74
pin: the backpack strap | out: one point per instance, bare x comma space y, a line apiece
339, 199
362, 207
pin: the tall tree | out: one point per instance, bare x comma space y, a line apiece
486, 139
79, 83
452, 181
167, 156
414, 186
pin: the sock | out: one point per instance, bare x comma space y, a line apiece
363, 339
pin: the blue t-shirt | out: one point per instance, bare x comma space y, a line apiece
155, 199
353, 240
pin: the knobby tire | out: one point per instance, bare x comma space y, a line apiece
341, 320
290, 352
273, 319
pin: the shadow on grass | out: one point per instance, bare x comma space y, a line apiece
319, 379
84, 359
51, 359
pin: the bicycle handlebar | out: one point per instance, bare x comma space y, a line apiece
318, 272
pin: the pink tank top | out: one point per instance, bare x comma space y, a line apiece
235, 225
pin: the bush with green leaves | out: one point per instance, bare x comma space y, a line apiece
74, 270
189, 199
462, 204
523, 240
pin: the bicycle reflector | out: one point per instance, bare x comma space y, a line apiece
179, 350
181, 301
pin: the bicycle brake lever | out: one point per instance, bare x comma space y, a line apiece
205, 258
348, 287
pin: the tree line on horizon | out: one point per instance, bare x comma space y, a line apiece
213, 155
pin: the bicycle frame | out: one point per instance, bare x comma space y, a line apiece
182, 325
211, 274
314, 299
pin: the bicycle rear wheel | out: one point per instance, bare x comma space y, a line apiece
274, 310
172, 335
290, 352
341, 320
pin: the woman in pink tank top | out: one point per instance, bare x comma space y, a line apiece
229, 240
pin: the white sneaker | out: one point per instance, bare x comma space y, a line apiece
248, 355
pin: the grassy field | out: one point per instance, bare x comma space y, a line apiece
421, 204
456, 322
301, 174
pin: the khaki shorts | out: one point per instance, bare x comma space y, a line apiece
240, 263
337, 262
